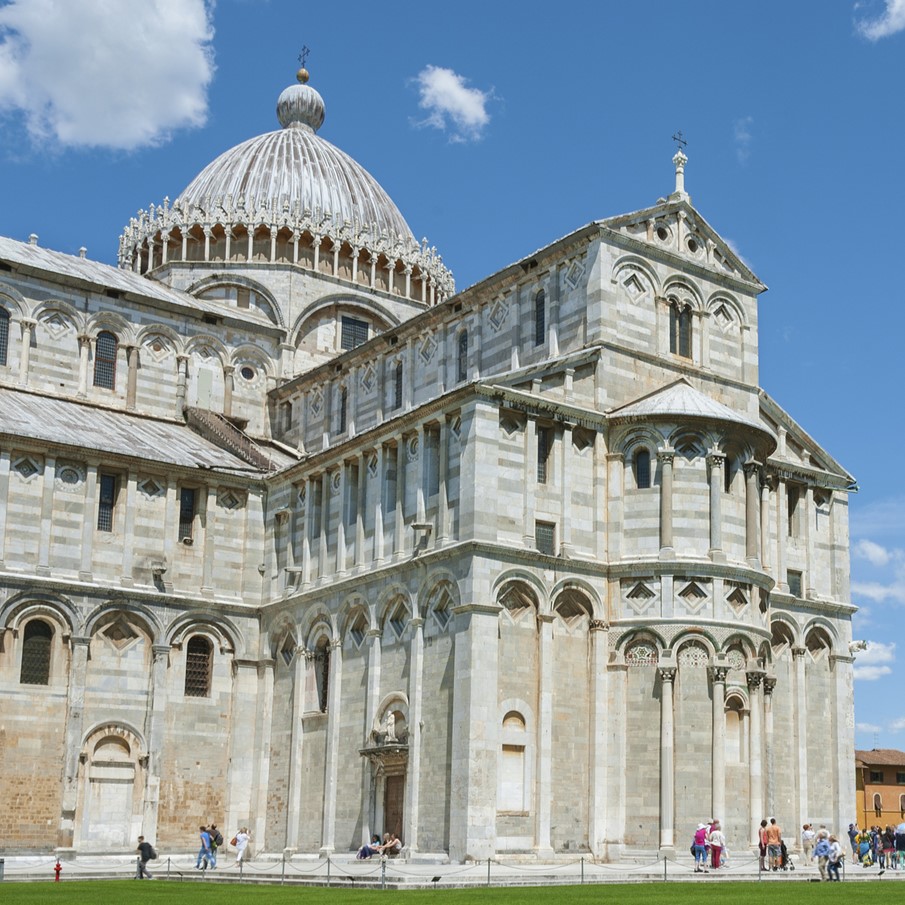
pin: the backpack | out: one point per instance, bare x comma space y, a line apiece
216, 839
153, 854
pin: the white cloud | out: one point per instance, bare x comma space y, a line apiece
894, 592
897, 725
867, 727
873, 553
105, 73
888, 22
883, 518
870, 673
743, 138
451, 105
876, 652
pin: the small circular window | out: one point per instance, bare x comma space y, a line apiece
247, 372
693, 246
70, 476
662, 233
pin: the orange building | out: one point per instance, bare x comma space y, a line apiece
880, 786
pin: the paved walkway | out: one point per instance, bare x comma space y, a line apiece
344, 871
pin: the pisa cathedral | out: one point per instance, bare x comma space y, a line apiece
295, 536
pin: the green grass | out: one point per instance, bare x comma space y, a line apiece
127, 892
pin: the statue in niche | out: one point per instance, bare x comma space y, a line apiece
389, 729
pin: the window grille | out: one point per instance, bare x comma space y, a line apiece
540, 318
544, 444
462, 366
545, 537
343, 410
353, 333
642, 469
4, 335
105, 361
397, 389
186, 513
106, 502
198, 660
36, 642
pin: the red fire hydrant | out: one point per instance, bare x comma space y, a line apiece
57, 870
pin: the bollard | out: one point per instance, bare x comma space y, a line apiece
283, 872
582, 870
241, 869
665, 861
328, 871
57, 870
383, 871
2, 866
488, 871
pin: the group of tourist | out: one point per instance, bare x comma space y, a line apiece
390, 847
709, 844
884, 847
212, 840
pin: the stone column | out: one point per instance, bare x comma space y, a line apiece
413, 772
331, 771
544, 788
155, 726
322, 526
371, 703
667, 766
565, 513
208, 525
420, 489
752, 508
132, 376
475, 734
378, 504
182, 369
755, 768
800, 730
782, 533
844, 737
399, 514
228, 386
717, 462
28, 325
528, 496
615, 815
808, 584
84, 353
126, 579
263, 729
665, 456
718, 744
310, 494
443, 498
89, 522
4, 502
303, 661
769, 748
615, 477
360, 504
597, 831
48, 478
341, 521
75, 704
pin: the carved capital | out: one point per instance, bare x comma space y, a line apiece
716, 459
598, 625
799, 651
666, 456
719, 673
754, 679
666, 673
769, 684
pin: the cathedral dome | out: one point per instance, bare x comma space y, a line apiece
289, 196
294, 165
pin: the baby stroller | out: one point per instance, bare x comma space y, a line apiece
785, 862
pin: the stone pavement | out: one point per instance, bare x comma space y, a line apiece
344, 871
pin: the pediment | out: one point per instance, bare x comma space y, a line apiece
675, 227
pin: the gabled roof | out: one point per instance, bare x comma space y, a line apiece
720, 258
881, 757
681, 400
30, 416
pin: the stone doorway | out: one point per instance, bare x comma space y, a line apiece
393, 804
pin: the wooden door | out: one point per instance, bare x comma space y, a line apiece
393, 802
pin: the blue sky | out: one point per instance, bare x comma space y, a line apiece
499, 127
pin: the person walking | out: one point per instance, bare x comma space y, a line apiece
762, 844
822, 854
146, 853
241, 843
808, 837
835, 859
205, 855
216, 842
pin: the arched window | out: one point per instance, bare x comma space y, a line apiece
105, 361
36, 643
199, 656
680, 329
4, 335
642, 469
322, 672
540, 318
878, 805
462, 357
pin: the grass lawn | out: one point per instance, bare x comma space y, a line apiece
126, 892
